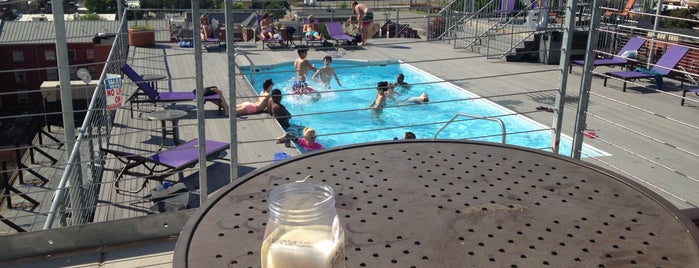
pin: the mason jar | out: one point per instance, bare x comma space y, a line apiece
303, 229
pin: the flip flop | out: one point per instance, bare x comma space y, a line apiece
544, 108
590, 134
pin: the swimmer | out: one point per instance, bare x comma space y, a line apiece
307, 141
380, 100
325, 73
417, 100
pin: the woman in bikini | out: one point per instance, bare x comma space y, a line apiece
266, 27
364, 18
205, 27
247, 108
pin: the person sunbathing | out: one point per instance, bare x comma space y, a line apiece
260, 105
310, 31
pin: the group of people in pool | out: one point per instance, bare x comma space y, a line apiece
386, 91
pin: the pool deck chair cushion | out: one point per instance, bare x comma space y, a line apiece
634, 43
662, 68
163, 163
160, 97
337, 33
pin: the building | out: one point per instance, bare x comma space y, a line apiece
28, 57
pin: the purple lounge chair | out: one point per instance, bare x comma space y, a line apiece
662, 68
163, 163
634, 43
158, 97
337, 33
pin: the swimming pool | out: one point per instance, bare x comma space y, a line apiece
340, 116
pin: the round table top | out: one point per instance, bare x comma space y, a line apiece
423, 203
152, 77
167, 115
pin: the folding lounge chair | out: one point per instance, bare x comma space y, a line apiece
163, 163
662, 68
160, 97
634, 43
337, 33
267, 42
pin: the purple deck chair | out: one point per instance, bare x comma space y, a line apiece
337, 33
506, 7
662, 68
163, 163
160, 97
634, 43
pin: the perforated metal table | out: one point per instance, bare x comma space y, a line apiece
454, 204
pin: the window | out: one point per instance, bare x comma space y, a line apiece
90, 54
49, 55
22, 96
71, 54
18, 56
52, 74
20, 77
73, 73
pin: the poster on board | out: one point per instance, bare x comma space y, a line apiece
113, 87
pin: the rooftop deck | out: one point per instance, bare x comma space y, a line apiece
640, 128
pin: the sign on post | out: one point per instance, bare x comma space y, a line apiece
113, 87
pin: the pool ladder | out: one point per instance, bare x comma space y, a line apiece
252, 66
502, 125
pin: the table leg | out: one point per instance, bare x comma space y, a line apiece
164, 132
174, 132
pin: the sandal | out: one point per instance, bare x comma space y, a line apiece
544, 108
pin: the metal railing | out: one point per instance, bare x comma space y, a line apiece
76, 193
453, 118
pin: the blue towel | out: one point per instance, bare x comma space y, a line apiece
658, 76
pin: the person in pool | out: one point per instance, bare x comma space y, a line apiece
400, 81
260, 105
417, 100
380, 100
325, 73
307, 141
301, 64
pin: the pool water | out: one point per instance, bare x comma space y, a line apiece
340, 116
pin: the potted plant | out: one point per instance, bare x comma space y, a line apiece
141, 36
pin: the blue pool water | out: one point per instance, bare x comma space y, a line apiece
355, 124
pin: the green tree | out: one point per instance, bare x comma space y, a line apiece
277, 8
102, 6
89, 16
181, 4
674, 23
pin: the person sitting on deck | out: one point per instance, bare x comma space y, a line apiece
277, 109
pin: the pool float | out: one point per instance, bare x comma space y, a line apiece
301, 88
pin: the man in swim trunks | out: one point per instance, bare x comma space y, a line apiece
301, 64
246, 108
364, 18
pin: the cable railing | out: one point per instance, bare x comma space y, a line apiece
88, 173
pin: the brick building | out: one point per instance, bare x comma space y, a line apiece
28, 57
